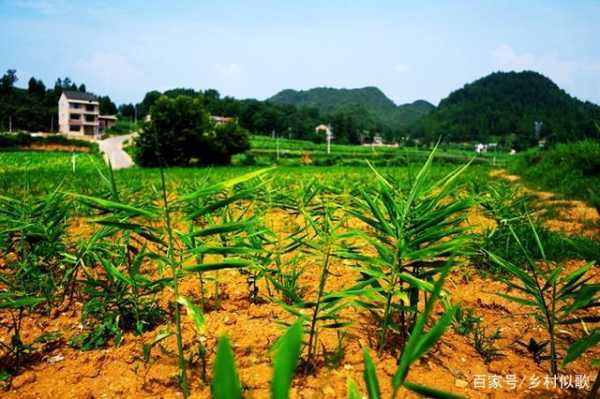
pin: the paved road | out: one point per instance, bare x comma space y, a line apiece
112, 148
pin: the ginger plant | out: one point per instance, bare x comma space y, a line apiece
554, 296
412, 231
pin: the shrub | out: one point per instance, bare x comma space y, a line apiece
570, 168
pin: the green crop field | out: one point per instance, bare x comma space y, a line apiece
338, 261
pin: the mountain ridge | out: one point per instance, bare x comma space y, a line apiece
330, 100
507, 106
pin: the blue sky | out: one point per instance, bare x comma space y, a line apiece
253, 49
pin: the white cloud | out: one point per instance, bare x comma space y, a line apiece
563, 72
579, 77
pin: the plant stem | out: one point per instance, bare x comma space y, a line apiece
174, 270
386, 315
553, 360
313, 324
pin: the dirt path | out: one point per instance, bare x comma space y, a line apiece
567, 216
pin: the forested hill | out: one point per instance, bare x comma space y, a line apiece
371, 99
503, 106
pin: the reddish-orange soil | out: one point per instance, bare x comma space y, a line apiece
56, 148
453, 365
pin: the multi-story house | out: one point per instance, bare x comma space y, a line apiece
78, 114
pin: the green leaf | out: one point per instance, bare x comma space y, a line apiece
228, 263
519, 300
226, 383
430, 392
115, 206
195, 314
147, 348
113, 272
416, 344
217, 205
223, 228
436, 332
370, 376
223, 185
352, 390
285, 360
581, 346
19, 302
4, 375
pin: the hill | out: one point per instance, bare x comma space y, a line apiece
503, 106
379, 107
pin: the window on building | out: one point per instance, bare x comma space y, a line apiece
90, 108
73, 105
73, 128
90, 118
75, 116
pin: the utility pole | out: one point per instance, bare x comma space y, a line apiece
10, 123
329, 141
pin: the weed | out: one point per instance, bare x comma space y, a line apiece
485, 344
465, 321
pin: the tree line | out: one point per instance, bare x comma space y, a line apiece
350, 125
35, 108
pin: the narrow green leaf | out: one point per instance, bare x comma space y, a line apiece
430, 392
352, 390
224, 185
115, 206
581, 346
228, 263
370, 376
226, 383
194, 313
285, 361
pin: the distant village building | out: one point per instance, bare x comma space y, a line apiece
323, 129
79, 115
221, 120
479, 148
105, 123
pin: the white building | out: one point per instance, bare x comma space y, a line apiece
323, 129
78, 114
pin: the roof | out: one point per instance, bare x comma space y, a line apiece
326, 128
111, 117
220, 118
77, 95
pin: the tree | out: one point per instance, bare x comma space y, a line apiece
107, 107
149, 99
180, 133
82, 88
7, 82
127, 111
36, 87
